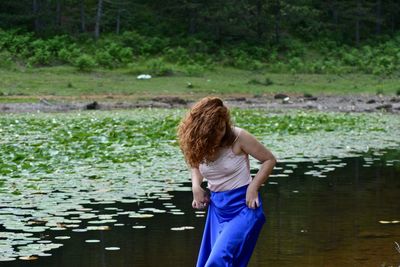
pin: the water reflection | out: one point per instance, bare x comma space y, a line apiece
327, 213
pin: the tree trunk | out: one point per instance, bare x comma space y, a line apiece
118, 24
35, 11
192, 22
58, 13
335, 15
357, 29
259, 26
98, 19
393, 23
83, 20
378, 17
218, 35
277, 21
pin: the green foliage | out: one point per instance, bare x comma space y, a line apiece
177, 55
85, 62
321, 56
69, 53
141, 45
103, 58
6, 60
157, 67
194, 70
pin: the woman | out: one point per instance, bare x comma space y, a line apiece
219, 152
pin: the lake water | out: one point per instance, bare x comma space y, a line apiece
334, 212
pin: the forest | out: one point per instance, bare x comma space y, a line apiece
280, 36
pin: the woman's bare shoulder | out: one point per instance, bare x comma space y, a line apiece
237, 130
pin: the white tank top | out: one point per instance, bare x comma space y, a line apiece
228, 171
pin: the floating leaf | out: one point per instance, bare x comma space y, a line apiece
181, 228
139, 226
62, 237
92, 241
112, 248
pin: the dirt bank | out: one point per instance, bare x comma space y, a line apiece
279, 102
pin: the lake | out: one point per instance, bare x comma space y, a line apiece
102, 189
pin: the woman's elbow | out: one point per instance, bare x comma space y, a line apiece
273, 161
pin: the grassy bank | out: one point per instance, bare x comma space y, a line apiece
26, 85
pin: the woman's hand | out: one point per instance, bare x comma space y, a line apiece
252, 200
200, 198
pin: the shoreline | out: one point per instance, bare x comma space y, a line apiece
277, 102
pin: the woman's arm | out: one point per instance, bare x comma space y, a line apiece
250, 145
200, 197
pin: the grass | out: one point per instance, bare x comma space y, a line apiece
66, 82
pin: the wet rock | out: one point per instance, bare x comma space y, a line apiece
170, 100
280, 96
371, 101
93, 105
384, 107
395, 100
307, 95
159, 105
310, 106
312, 98
237, 99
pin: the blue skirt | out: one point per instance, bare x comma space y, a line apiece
231, 230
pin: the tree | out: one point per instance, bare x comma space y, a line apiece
98, 19
35, 13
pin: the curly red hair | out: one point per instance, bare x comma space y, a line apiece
197, 131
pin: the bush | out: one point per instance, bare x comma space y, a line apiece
194, 70
133, 40
157, 67
177, 55
85, 63
69, 54
142, 45
6, 60
103, 58
379, 56
119, 53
